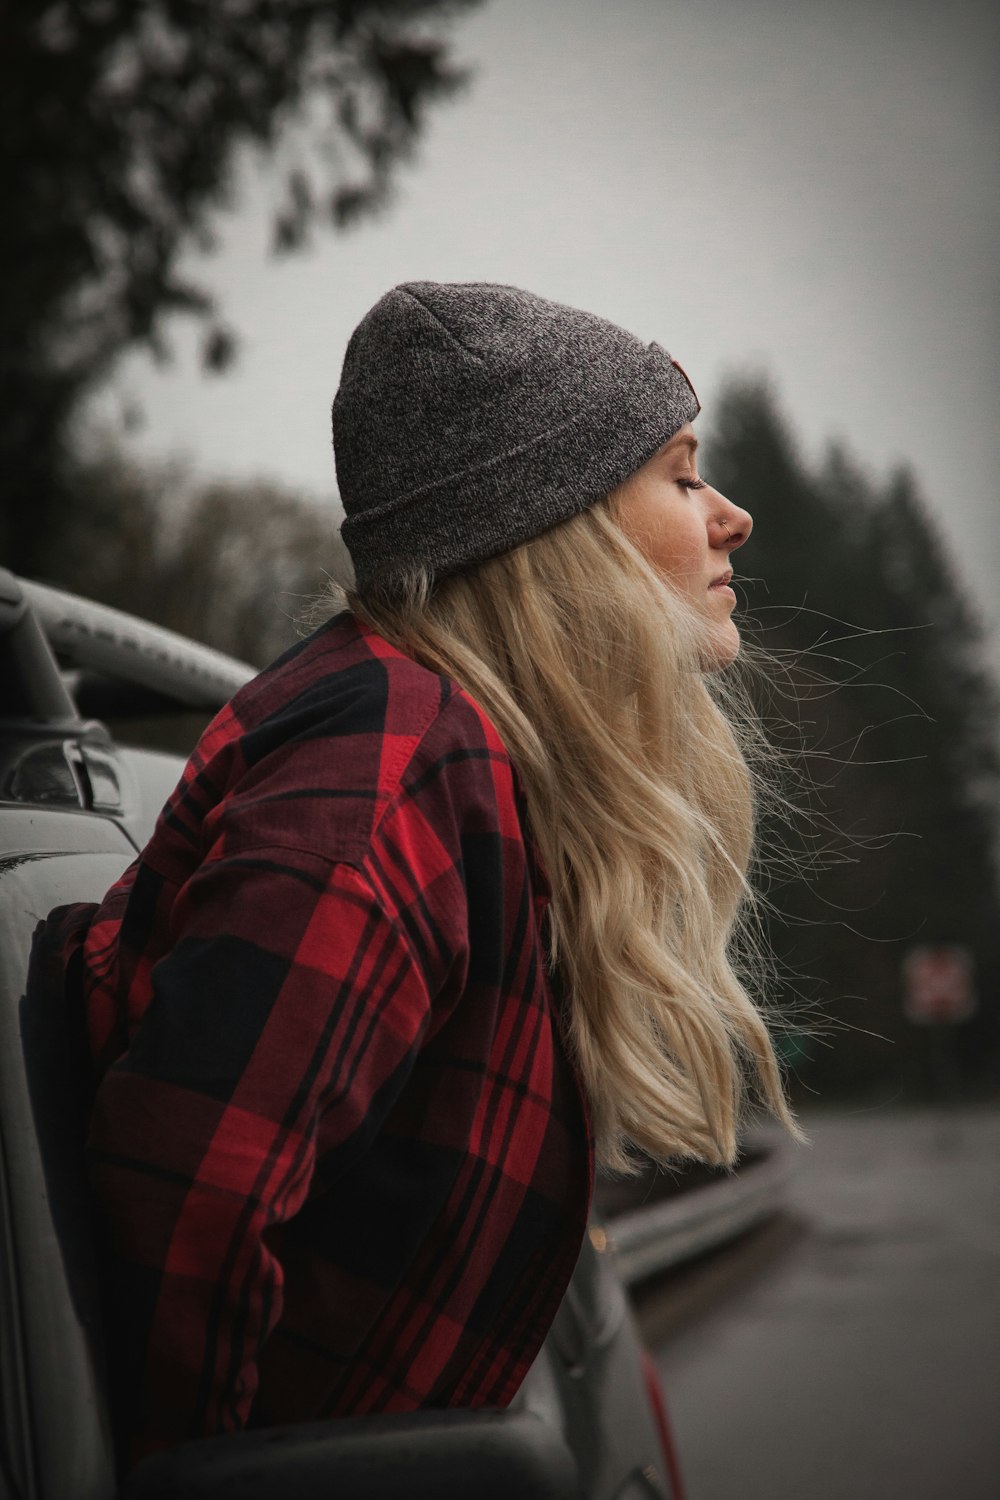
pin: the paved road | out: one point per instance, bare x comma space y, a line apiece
855, 1352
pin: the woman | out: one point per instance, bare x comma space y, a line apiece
445, 897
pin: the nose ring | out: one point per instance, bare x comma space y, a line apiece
729, 534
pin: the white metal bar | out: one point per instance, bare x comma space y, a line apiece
107, 640
661, 1235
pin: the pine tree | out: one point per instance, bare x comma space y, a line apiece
897, 738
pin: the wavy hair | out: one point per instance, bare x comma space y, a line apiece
641, 804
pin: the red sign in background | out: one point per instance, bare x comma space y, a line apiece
938, 985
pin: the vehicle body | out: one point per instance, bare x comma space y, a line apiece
75, 807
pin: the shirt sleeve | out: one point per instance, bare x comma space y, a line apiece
291, 995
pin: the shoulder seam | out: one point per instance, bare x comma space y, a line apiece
261, 851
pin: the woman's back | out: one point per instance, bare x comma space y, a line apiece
334, 1113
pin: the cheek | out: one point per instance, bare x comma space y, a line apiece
686, 557
670, 536
678, 553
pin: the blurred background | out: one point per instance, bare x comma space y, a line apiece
800, 202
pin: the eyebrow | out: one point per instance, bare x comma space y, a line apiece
688, 441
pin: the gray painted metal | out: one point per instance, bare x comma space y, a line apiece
658, 1236
106, 640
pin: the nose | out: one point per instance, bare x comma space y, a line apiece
730, 524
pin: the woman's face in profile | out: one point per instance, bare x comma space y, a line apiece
687, 531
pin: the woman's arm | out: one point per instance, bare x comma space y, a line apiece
289, 990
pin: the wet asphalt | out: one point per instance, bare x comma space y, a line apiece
849, 1350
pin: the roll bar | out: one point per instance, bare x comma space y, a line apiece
106, 640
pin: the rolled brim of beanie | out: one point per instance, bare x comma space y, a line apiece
527, 489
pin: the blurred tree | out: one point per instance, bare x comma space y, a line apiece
229, 564
121, 121
247, 561
895, 732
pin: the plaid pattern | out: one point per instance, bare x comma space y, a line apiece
343, 1163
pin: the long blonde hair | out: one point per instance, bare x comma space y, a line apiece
641, 806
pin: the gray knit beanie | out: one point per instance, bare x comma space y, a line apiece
471, 417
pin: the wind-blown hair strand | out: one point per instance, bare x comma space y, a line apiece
641, 807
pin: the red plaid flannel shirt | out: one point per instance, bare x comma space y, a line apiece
342, 1162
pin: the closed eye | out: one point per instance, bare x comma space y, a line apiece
692, 484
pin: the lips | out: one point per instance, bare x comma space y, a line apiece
723, 580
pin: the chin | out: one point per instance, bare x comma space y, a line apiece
722, 646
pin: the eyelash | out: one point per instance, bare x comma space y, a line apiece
693, 484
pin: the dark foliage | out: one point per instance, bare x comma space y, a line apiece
891, 716
121, 121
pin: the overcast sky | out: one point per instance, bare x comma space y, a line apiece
810, 189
